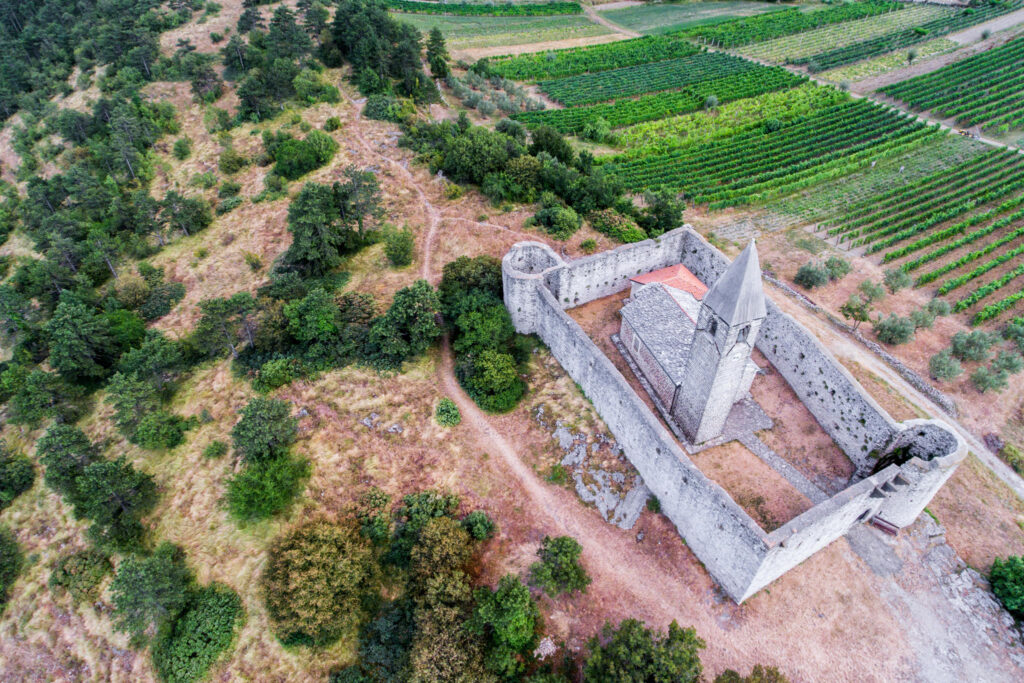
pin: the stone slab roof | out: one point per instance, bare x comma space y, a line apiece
660, 321
738, 296
677, 277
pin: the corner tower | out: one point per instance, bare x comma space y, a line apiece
717, 372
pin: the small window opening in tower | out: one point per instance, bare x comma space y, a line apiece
744, 333
713, 327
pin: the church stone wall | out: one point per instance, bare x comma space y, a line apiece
854, 420
649, 365
737, 553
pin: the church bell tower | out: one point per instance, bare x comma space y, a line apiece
730, 317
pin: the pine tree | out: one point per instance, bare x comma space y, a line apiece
80, 343
115, 496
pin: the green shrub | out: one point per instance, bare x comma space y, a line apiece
265, 431
613, 224
447, 413
160, 429
228, 205
938, 308
810, 276
277, 373
507, 617
492, 379
410, 518
629, 652
313, 581
759, 674
264, 489
11, 562
1009, 362
922, 319
872, 291
1007, 579
215, 449
653, 504
16, 475
374, 520
295, 158
894, 329
479, 525
559, 570
559, 221
896, 279
399, 247
944, 367
837, 268
182, 148
80, 574
332, 124
228, 188
203, 180
387, 108
231, 161
986, 379
185, 650
588, 246
972, 346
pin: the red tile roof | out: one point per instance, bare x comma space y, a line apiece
677, 277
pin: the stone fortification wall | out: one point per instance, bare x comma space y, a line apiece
724, 537
801, 537
606, 273
857, 424
737, 553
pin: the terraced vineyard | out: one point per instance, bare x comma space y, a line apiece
961, 229
533, 9
725, 131
810, 43
770, 162
678, 132
747, 30
643, 78
690, 98
653, 19
573, 61
466, 32
950, 23
986, 89
889, 62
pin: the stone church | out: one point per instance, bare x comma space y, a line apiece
693, 344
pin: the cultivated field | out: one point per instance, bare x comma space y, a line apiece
753, 150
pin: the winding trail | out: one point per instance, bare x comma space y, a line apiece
669, 584
611, 25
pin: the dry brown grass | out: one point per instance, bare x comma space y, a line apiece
982, 516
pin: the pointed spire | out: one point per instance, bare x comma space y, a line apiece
738, 296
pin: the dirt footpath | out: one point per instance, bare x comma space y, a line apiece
973, 34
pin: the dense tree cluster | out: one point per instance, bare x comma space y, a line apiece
271, 476
489, 354
276, 64
385, 53
11, 562
506, 168
158, 602
112, 494
16, 475
40, 46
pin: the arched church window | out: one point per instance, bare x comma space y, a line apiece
713, 327
744, 333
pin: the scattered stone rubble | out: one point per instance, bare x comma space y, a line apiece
619, 498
